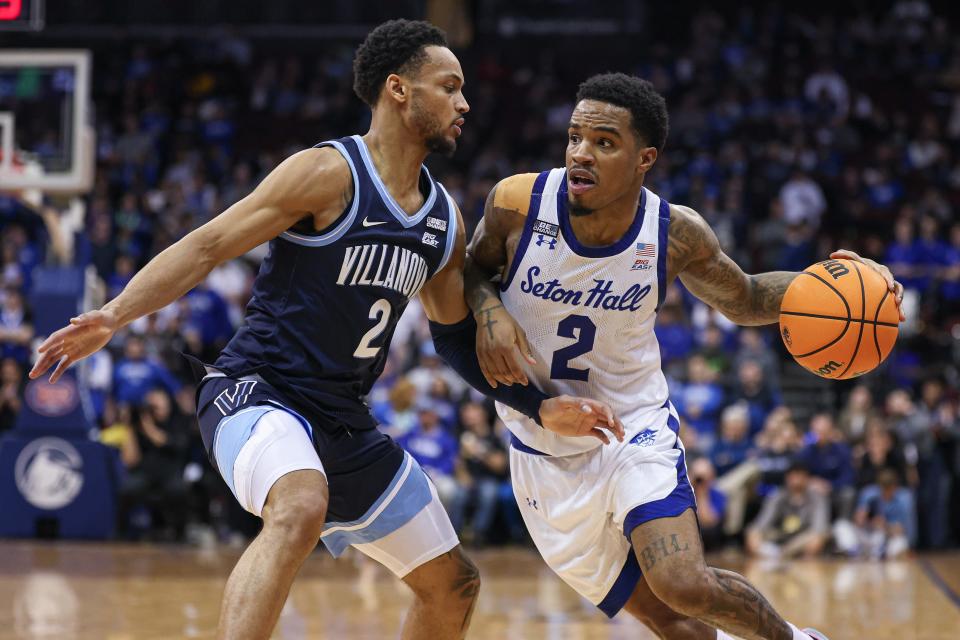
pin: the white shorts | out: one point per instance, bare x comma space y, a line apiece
581, 509
406, 527
257, 446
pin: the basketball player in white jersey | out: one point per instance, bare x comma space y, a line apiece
585, 254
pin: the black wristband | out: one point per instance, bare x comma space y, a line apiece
457, 345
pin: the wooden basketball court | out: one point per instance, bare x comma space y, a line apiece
126, 592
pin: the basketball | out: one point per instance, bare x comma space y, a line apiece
839, 319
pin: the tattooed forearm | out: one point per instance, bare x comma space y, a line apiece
485, 318
664, 547
766, 294
695, 255
739, 608
478, 289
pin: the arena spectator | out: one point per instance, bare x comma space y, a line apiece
12, 384
881, 451
794, 521
135, 375
929, 430
754, 348
857, 414
483, 460
711, 503
902, 256
830, 461
674, 335
884, 523
756, 393
713, 349
733, 445
950, 276
802, 200
764, 469
155, 477
436, 451
397, 415
701, 400
16, 326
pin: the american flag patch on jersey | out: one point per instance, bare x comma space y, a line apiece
646, 250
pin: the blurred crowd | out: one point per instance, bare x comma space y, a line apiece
792, 134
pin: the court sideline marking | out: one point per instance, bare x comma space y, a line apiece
940, 583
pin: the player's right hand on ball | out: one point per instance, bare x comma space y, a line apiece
570, 416
84, 335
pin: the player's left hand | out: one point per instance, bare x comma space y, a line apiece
895, 287
570, 416
500, 345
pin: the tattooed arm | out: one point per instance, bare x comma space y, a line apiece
499, 339
694, 254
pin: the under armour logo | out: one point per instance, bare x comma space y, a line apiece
532, 504
550, 242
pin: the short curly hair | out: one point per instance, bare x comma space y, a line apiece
393, 47
647, 107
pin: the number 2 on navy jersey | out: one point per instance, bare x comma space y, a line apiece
583, 329
380, 311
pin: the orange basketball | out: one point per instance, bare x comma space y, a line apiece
838, 319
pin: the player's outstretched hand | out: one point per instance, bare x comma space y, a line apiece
895, 287
500, 345
570, 416
84, 335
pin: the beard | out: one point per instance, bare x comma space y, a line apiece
432, 131
578, 210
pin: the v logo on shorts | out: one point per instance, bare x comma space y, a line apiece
230, 399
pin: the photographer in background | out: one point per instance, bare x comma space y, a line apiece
711, 503
794, 521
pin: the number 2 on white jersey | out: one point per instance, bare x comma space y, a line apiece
585, 331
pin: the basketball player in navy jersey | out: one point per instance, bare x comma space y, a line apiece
585, 254
357, 227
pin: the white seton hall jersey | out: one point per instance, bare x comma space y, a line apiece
588, 313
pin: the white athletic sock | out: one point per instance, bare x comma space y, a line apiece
723, 636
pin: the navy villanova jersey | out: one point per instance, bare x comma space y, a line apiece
325, 306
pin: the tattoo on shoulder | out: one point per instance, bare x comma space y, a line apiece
664, 547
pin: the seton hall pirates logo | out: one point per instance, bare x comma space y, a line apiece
49, 473
645, 438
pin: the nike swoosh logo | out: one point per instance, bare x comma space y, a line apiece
367, 223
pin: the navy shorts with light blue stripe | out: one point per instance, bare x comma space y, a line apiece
360, 465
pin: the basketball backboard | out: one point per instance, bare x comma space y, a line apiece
46, 141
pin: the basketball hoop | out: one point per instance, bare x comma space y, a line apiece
21, 165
